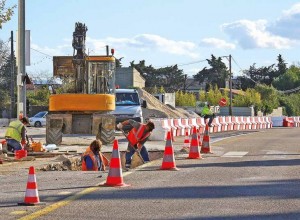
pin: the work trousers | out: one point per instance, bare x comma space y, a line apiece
210, 117
13, 145
130, 151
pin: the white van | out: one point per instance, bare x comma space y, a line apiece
128, 106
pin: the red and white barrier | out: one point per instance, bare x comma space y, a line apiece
161, 129
224, 125
185, 123
179, 126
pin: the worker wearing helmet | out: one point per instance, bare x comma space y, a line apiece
137, 137
206, 113
15, 135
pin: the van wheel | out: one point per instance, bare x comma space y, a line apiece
37, 124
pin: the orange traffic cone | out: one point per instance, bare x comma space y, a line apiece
205, 142
194, 147
115, 177
168, 162
186, 144
31, 194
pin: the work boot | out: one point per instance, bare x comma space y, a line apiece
127, 167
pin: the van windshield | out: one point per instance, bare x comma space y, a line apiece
40, 114
123, 99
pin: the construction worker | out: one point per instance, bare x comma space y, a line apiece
137, 137
15, 135
207, 113
93, 159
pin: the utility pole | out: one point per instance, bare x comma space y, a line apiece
230, 86
21, 87
184, 83
12, 73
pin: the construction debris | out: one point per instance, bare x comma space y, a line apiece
64, 163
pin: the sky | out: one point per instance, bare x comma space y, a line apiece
164, 32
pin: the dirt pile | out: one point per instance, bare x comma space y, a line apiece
156, 109
64, 163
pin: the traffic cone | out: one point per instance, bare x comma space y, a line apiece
31, 194
115, 177
194, 147
186, 144
168, 162
205, 142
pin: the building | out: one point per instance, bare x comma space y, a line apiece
129, 77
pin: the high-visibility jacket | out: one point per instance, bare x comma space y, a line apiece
14, 130
136, 135
206, 111
89, 152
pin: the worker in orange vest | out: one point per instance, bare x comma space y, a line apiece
137, 137
93, 159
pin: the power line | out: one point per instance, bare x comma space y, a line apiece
41, 52
184, 64
243, 70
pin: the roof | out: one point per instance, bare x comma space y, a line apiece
126, 90
234, 91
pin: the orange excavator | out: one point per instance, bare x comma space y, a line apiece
83, 104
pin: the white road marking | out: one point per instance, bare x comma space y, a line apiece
275, 154
235, 154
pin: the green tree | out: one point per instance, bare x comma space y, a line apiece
5, 78
168, 77
269, 96
5, 12
39, 96
216, 75
249, 98
264, 75
290, 104
289, 80
202, 96
162, 90
281, 66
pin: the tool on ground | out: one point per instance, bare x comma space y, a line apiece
134, 147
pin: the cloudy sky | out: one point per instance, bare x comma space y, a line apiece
164, 32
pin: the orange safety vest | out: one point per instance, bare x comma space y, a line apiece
90, 153
136, 135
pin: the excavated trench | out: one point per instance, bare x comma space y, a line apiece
73, 162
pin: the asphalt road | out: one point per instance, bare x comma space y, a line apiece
251, 176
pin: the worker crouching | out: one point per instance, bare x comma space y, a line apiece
15, 135
93, 159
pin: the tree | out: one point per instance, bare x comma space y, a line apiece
169, 77
216, 75
269, 96
281, 66
289, 80
264, 75
250, 98
5, 13
39, 97
291, 104
5, 77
